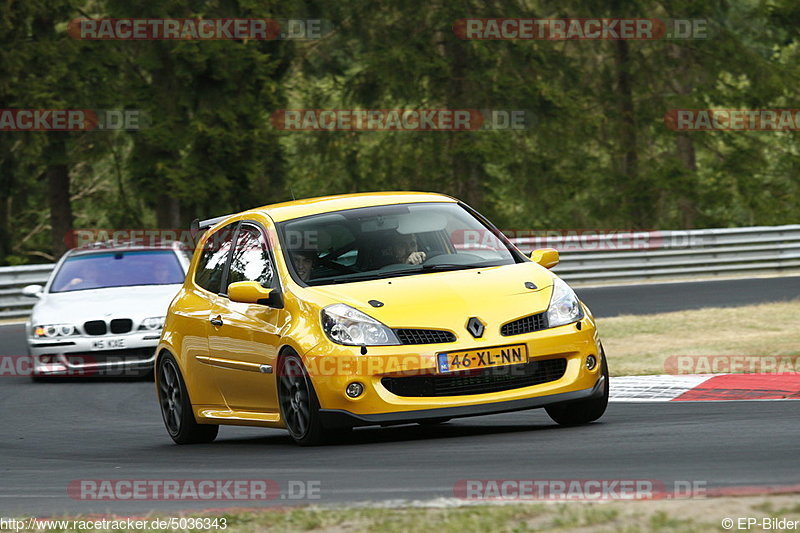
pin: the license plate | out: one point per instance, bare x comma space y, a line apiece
108, 344
484, 358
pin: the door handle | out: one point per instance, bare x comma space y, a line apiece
216, 321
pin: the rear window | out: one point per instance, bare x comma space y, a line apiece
118, 269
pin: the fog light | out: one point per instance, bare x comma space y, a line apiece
591, 362
355, 389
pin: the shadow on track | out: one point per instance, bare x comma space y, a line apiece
393, 435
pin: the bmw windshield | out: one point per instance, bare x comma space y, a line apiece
388, 241
118, 269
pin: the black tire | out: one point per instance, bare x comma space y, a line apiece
298, 402
176, 408
582, 411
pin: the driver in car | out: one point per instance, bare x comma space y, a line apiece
304, 262
87, 278
403, 249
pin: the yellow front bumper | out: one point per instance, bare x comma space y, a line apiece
333, 368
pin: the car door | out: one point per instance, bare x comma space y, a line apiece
197, 305
244, 338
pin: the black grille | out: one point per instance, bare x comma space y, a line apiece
478, 382
424, 336
525, 324
121, 325
95, 327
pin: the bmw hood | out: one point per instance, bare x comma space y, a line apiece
77, 307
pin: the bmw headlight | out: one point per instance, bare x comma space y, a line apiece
51, 331
152, 323
564, 305
345, 325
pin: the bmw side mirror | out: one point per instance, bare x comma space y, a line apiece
32, 291
547, 257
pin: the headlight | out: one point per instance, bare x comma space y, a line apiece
152, 323
345, 325
51, 331
564, 305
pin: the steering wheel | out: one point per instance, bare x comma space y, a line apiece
337, 266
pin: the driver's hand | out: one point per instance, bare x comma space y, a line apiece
416, 258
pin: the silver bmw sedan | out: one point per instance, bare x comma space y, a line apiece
102, 310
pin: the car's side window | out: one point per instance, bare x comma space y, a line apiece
251, 260
211, 267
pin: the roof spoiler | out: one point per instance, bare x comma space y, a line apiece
202, 225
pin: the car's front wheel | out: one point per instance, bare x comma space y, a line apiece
298, 402
176, 409
582, 411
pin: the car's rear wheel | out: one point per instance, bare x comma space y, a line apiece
582, 411
176, 408
298, 402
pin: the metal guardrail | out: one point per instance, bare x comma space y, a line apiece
12, 279
653, 255
586, 257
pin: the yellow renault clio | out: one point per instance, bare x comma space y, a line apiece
323, 314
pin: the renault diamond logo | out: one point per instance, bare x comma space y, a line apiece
475, 327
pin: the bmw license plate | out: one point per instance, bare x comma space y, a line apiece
484, 358
108, 344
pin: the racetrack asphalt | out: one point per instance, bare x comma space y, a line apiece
56, 433
652, 298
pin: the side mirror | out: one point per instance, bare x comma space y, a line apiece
32, 291
251, 292
547, 257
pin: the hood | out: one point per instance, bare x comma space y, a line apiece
448, 299
77, 307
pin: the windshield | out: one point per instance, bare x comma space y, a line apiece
118, 269
387, 241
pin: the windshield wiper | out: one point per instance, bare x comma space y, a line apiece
364, 277
444, 267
